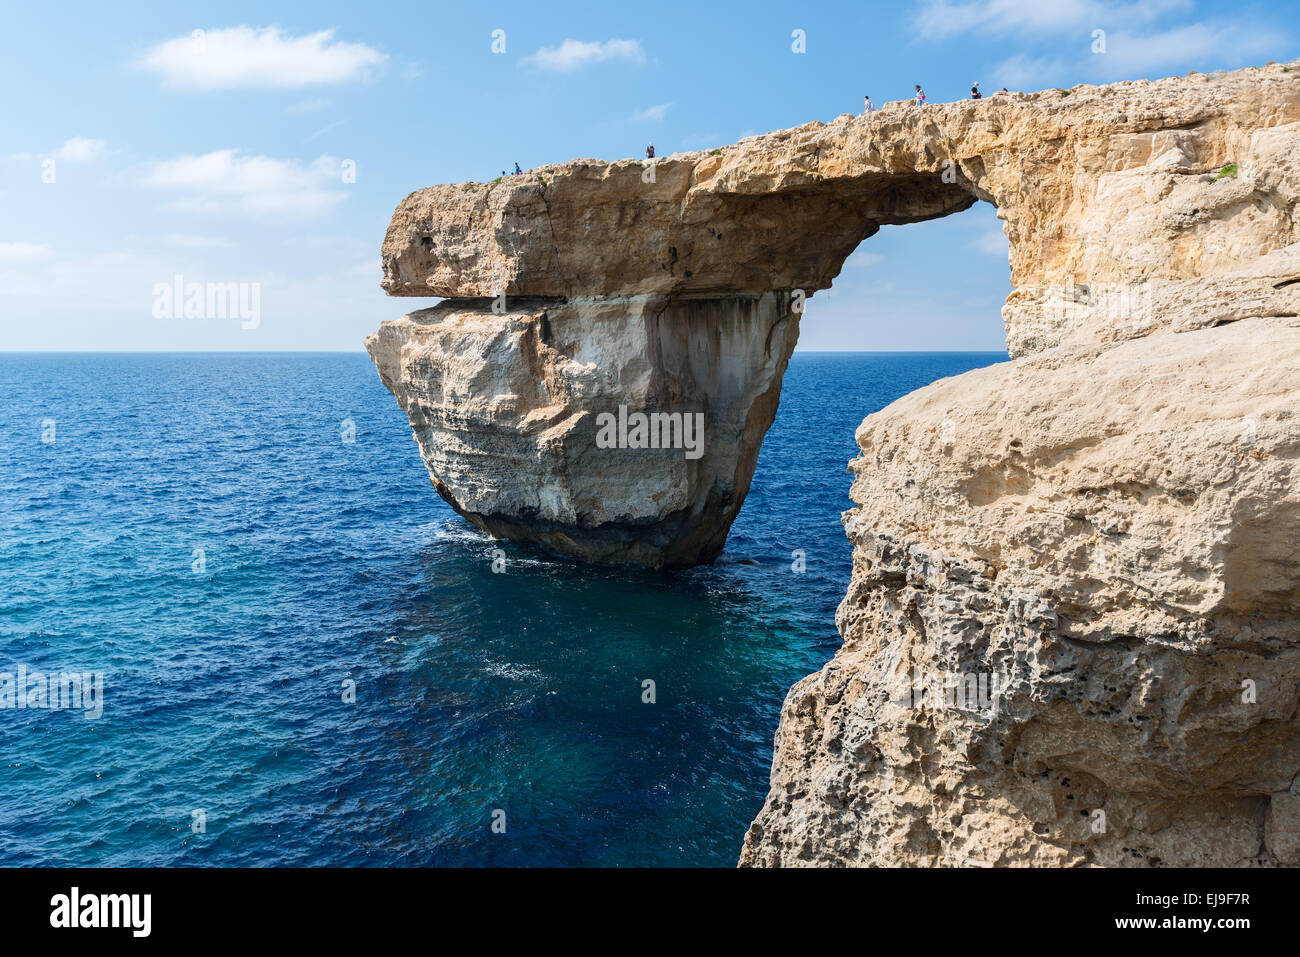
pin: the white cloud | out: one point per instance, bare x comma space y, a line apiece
79, 150
1136, 43
264, 57
187, 241
100, 278
651, 114
573, 54
1193, 45
231, 181
992, 243
941, 18
24, 252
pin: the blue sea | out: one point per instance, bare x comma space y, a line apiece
197, 530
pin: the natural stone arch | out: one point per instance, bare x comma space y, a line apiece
600, 274
1108, 520
696, 230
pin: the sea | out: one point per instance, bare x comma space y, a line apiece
249, 633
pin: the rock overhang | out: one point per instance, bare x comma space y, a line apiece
1095, 518
1130, 210
782, 211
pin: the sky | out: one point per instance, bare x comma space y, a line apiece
265, 145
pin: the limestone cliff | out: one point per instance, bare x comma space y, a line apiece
505, 407
1073, 626
1130, 209
1072, 630
1174, 194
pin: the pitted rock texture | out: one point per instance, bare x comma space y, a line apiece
1130, 210
1109, 540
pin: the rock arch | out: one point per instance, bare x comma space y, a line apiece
582, 286
1108, 521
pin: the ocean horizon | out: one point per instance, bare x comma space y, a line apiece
362, 352
238, 543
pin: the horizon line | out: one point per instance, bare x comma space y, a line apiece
362, 352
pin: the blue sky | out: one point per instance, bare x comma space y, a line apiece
134, 151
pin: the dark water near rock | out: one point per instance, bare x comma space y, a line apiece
323, 560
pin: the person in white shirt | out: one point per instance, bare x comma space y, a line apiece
866, 105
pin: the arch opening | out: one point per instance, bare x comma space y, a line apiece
938, 284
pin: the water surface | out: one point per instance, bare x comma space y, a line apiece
199, 531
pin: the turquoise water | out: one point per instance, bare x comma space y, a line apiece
198, 532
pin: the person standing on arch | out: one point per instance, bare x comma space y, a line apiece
650, 151
920, 95
866, 104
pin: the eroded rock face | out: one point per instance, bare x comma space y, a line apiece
1128, 208
1072, 635
506, 410
1101, 545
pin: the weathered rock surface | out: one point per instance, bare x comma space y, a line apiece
1072, 635
1129, 209
1120, 216
1104, 540
505, 410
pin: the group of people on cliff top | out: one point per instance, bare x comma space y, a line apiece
868, 107
975, 94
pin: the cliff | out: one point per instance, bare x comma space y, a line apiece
1072, 630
